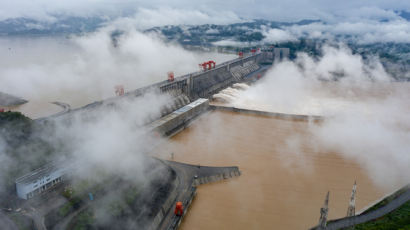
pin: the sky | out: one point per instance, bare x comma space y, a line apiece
281, 10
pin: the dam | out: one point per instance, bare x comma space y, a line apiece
282, 178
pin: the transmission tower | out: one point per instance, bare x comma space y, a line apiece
352, 204
323, 213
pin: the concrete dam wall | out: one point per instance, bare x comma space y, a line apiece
285, 116
203, 84
187, 88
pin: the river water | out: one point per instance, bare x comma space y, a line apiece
281, 187
36, 109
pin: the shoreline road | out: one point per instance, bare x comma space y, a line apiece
66, 108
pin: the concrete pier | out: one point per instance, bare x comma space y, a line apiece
285, 116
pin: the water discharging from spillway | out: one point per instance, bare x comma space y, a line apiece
285, 175
229, 94
324, 99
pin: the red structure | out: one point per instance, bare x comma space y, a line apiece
119, 90
240, 54
253, 51
2, 110
258, 76
170, 76
211, 65
179, 209
207, 65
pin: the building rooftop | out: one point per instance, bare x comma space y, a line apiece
38, 173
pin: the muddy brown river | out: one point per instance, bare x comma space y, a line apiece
281, 187
36, 109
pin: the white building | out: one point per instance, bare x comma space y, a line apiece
39, 180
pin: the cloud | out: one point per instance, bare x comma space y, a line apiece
232, 43
115, 140
106, 147
375, 133
362, 25
362, 32
303, 78
146, 18
277, 36
86, 68
270, 36
366, 112
111, 140
79, 70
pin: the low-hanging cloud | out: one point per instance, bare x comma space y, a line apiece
364, 25
361, 32
374, 133
86, 68
112, 138
278, 36
146, 18
365, 110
